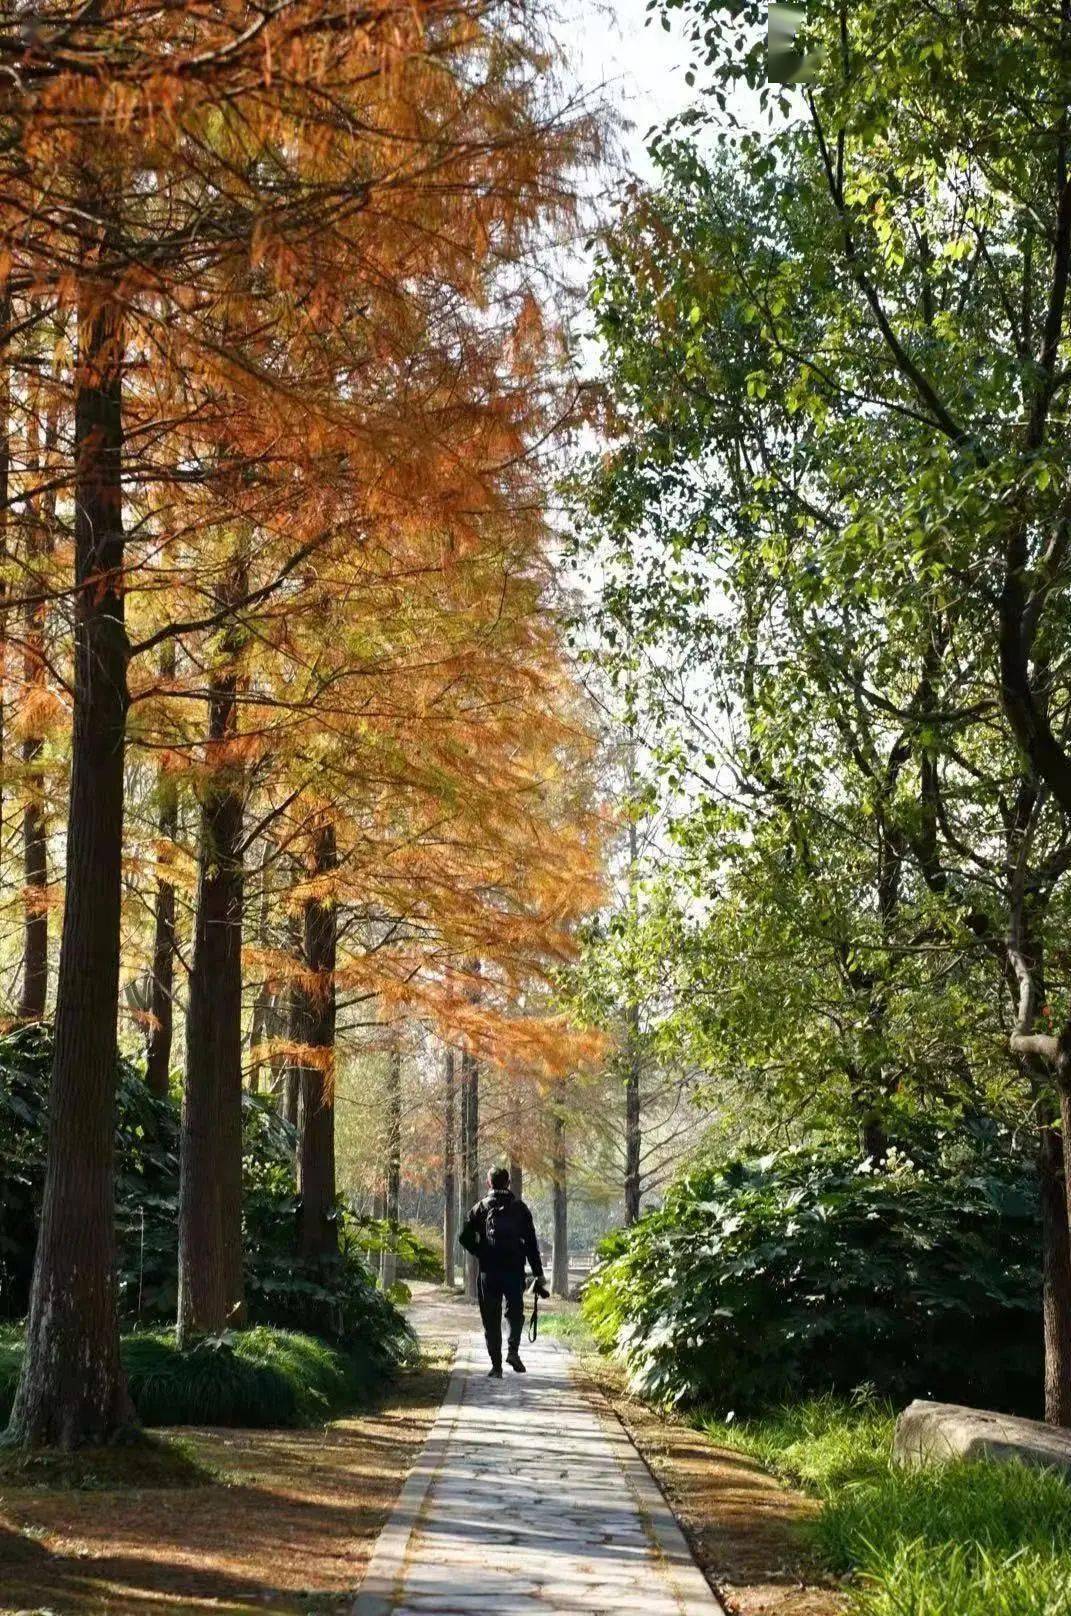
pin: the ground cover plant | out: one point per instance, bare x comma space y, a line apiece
805, 1271
961, 1539
256, 1378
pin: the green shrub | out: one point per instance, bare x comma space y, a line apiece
336, 1299
765, 1281
417, 1257
258, 1377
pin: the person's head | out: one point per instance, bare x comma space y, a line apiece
498, 1178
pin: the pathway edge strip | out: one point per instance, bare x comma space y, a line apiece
380, 1586
692, 1591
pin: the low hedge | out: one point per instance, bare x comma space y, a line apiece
255, 1378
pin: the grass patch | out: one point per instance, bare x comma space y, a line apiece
819, 1445
259, 1378
960, 1539
565, 1321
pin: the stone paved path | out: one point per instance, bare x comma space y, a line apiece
529, 1498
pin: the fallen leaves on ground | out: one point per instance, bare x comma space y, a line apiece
286, 1525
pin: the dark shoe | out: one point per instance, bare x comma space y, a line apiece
495, 1372
514, 1361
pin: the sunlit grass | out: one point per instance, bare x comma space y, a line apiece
565, 1322
959, 1539
818, 1444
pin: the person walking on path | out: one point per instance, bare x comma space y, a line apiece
500, 1234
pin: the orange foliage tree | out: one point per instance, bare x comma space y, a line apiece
284, 495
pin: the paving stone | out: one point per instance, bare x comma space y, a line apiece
530, 1501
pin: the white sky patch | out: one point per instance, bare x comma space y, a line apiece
621, 46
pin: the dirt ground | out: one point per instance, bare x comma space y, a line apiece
286, 1524
746, 1530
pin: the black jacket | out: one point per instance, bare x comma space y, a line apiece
473, 1239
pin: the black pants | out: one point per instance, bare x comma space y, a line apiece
492, 1290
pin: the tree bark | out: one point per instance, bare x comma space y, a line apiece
161, 1004
633, 1125
449, 1171
470, 1101
211, 1293
1056, 1275
633, 1121
559, 1281
318, 1233
5, 478
516, 1177
34, 995
1042, 1059
389, 1265
295, 1023
262, 1008
72, 1390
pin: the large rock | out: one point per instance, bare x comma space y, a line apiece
928, 1433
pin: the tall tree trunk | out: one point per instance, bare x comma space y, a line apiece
516, 1134
389, 1266
161, 1002
262, 1008
633, 1127
470, 1100
633, 1122
449, 1170
5, 479
1056, 1274
316, 1151
292, 1095
211, 1294
72, 1389
559, 1282
295, 1022
39, 545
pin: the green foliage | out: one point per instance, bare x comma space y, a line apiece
804, 1272
565, 1322
334, 1298
417, 1258
962, 1580
821, 342
258, 1378
962, 1539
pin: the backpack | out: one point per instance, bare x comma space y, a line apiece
502, 1232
